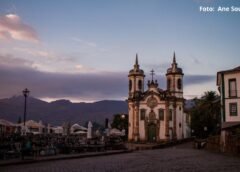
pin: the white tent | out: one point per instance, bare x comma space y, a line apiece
116, 132
4, 122
58, 130
80, 132
76, 127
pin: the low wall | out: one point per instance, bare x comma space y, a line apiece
213, 143
232, 144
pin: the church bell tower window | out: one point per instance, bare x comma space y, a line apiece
179, 84
140, 85
168, 84
130, 85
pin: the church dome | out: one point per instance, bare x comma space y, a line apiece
174, 69
136, 70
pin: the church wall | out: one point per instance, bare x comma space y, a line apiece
162, 130
179, 121
143, 123
130, 122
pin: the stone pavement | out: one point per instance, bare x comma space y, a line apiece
31, 159
177, 158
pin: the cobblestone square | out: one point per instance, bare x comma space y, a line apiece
178, 158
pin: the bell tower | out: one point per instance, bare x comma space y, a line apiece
136, 81
136, 89
174, 77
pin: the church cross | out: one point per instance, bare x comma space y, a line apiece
152, 73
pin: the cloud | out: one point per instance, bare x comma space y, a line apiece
198, 79
36, 52
12, 27
10, 61
81, 86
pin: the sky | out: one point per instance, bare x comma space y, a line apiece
82, 50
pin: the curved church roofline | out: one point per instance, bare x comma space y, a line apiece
152, 93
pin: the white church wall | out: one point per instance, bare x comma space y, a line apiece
162, 130
130, 123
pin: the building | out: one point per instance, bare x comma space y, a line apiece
7, 127
228, 83
34, 127
156, 114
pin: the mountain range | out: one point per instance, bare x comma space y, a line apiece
60, 111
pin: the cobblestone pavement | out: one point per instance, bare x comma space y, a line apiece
179, 158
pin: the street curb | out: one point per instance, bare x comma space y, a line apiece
30, 161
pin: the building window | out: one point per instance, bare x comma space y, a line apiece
179, 84
170, 114
140, 85
130, 85
168, 84
233, 109
232, 88
142, 114
161, 114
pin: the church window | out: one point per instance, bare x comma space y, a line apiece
142, 114
130, 85
170, 114
139, 84
168, 84
180, 108
179, 84
161, 114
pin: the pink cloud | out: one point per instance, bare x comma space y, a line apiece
12, 27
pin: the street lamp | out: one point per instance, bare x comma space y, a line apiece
25, 94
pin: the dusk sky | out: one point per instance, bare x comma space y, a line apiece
82, 50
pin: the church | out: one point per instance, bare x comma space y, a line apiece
156, 114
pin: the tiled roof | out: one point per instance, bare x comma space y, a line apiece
231, 70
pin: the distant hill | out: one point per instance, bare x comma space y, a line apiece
60, 111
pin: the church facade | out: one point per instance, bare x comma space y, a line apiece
155, 114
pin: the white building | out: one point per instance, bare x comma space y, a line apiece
228, 82
33, 127
156, 114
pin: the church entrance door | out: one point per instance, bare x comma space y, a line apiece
152, 132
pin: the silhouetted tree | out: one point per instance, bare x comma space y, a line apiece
205, 115
120, 121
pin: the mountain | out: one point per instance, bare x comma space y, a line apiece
189, 103
60, 111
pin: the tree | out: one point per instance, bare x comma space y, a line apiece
205, 115
120, 121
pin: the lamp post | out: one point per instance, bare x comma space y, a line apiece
25, 94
